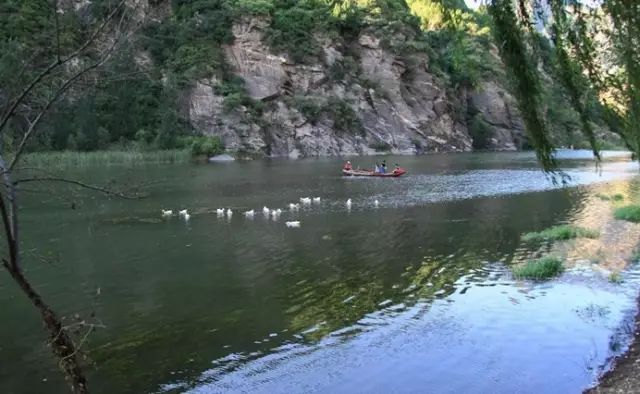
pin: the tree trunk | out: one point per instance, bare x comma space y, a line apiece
61, 344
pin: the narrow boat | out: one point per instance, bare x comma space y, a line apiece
393, 174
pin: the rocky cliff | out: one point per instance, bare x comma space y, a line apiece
381, 102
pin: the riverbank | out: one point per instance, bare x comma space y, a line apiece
624, 377
62, 159
105, 158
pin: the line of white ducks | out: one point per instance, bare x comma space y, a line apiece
267, 212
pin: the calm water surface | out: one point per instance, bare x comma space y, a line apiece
413, 296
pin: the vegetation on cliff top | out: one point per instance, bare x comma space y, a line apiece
138, 100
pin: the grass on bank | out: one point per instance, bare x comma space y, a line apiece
544, 268
629, 213
615, 197
615, 277
560, 233
182, 149
105, 158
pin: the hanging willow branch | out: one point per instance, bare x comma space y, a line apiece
528, 89
625, 35
570, 72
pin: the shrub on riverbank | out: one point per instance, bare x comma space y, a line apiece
629, 213
205, 146
560, 233
544, 268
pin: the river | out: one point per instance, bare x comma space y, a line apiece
414, 295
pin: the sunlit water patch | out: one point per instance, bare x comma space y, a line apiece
490, 335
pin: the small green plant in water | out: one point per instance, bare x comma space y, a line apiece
629, 213
560, 233
544, 268
615, 277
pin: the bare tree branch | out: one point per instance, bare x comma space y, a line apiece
100, 189
62, 89
57, 63
55, 12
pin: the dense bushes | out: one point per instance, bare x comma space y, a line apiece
203, 145
629, 213
293, 25
344, 118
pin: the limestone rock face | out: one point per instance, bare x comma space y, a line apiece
385, 103
262, 71
498, 109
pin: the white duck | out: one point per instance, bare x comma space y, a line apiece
265, 210
376, 203
220, 211
167, 212
316, 200
349, 203
294, 207
186, 216
249, 214
183, 212
229, 213
292, 224
305, 200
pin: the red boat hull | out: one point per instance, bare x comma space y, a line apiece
393, 174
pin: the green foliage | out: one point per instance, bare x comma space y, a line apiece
527, 85
345, 119
480, 132
570, 74
133, 107
629, 213
560, 233
544, 268
293, 25
309, 107
458, 41
204, 145
189, 42
615, 197
256, 7
344, 68
615, 277
235, 96
380, 146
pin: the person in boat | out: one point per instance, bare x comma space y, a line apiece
376, 169
396, 169
347, 166
383, 167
